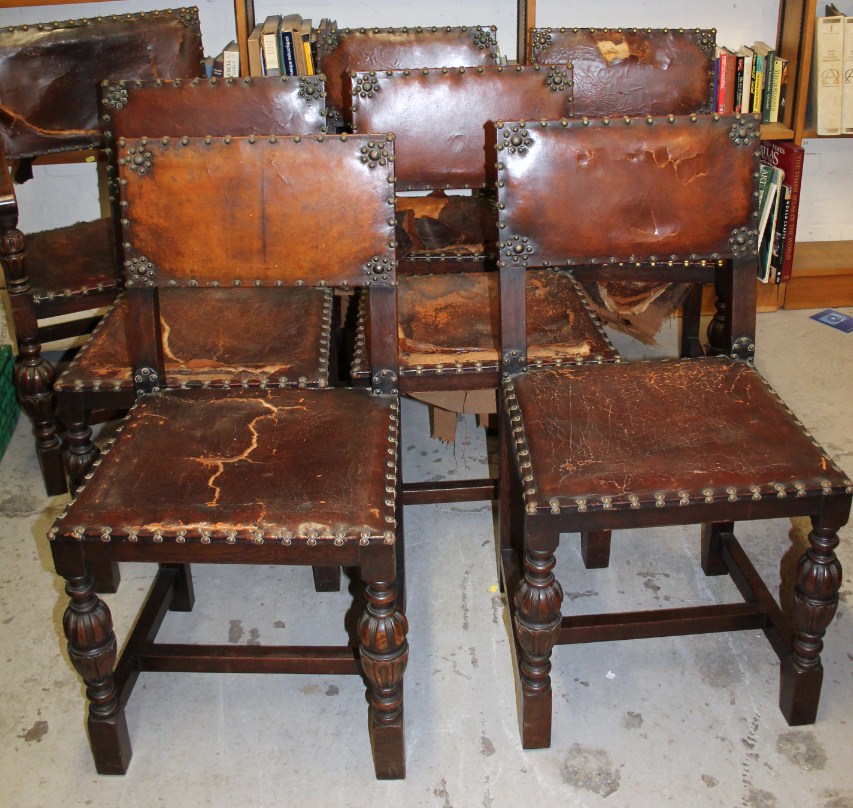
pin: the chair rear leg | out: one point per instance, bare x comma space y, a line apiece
595, 549
327, 579
712, 544
183, 592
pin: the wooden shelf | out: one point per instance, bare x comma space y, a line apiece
822, 276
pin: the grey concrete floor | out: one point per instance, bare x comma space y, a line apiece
685, 721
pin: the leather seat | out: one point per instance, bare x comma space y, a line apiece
206, 343
450, 323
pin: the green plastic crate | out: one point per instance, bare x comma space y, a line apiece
9, 409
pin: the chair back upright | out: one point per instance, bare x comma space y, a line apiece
633, 71
653, 194
313, 211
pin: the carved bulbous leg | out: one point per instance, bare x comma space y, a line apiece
537, 623
815, 602
384, 654
92, 648
34, 375
81, 452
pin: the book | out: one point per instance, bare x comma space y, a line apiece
847, 79
218, 65
827, 65
307, 46
269, 45
768, 56
747, 54
757, 80
769, 179
780, 72
726, 85
787, 157
256, 61
781, 232
291, 54
231, 60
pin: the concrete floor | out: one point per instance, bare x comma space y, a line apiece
683, 722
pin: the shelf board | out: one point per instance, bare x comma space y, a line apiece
822, 276
776, 131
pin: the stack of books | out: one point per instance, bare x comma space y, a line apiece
779, 202
753, 79
831, 96
284, 46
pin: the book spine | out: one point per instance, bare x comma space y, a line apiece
739, 84
776, 89
781, 234
847, 82
722, 86
746, 104
231, 64
794, 177
767, 86
757, 73
828, 64
288, 57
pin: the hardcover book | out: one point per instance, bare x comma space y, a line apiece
788, 158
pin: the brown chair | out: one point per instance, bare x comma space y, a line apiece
246, 476
49, 74
593, 449
340, 51
290, 342
449, 319
638, 71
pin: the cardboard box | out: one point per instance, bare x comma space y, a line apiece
446, 406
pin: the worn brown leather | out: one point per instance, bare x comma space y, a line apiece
340, 51
280, 462
71, 261
50, 72
636, 191
258, 105
207, 341
239, 183
442, 119
650, 429
633, 71
454, 319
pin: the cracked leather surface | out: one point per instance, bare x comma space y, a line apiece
646, 428
270, 460
633, 72
206, 339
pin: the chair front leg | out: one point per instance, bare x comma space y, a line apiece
384, 654
537, 624
92, 648
815, 602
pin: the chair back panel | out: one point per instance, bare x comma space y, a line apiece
249, 106
633, 71
440, 117
657, 189
49, 73
382, 48
263, 211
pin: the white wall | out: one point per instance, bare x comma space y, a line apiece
827, 204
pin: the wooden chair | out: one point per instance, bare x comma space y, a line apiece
593, 449
290, 342
638, 71
49, 74
340, 51
257, 476
447, 303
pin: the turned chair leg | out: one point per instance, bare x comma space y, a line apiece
92, 648
815, 602
384, 653
537, 624
81, 451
